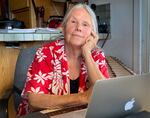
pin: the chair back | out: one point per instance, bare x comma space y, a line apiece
24, 60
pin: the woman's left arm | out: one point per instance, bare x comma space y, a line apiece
93, 68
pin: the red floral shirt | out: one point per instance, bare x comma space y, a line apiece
48, 73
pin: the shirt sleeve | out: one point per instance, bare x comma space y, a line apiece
100, 59
39, 75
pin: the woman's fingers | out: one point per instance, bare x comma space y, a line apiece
90, 42
95, 36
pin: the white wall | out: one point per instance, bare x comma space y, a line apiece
121, 43
137, 38
130, 33
148, 37
145, 35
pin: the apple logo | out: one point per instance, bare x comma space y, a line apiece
129, 105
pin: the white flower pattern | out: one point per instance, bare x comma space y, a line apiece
36, 90
40, 77
101, 63
40, 55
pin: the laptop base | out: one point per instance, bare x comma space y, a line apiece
142, 114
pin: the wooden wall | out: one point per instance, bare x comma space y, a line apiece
8, 58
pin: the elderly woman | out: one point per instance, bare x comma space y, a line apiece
61, 69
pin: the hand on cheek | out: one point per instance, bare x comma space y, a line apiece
95, 37
90, 43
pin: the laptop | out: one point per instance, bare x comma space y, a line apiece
120, 97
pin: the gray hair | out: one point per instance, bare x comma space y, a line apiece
88, 9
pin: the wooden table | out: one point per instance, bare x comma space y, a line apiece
74, 111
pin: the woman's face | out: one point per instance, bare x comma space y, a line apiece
78, 27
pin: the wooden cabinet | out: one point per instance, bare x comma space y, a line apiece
21, 4
23, 10
25, 16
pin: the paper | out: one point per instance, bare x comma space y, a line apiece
31, 30
15, 30
47, 30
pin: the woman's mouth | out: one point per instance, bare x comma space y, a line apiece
77, 35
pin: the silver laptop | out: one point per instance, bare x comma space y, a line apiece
120, 97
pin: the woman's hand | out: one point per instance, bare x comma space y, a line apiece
90, 43
93, 69
85, 96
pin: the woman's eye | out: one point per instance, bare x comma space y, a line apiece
73, 21
85, 25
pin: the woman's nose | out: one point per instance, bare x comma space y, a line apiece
79, 27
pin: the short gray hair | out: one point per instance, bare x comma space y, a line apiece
89, 11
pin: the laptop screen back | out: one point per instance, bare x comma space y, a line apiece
119, 97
